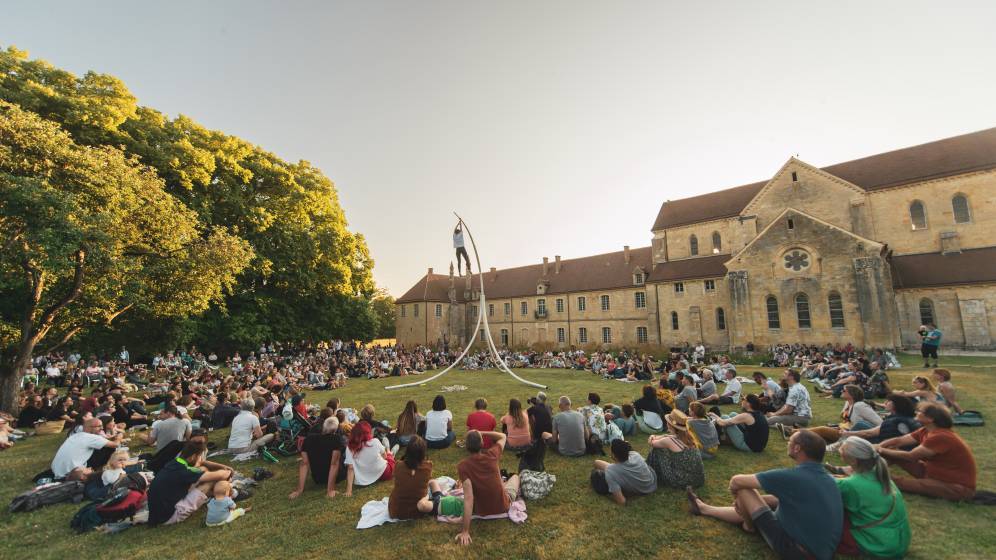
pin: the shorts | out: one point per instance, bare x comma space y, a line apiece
388, 473
187, 506
774, 534
928, 351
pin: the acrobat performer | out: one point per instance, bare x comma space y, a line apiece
460, 249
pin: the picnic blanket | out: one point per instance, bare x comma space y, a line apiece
374, 513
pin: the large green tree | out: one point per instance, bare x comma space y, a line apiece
310, 277
86, 234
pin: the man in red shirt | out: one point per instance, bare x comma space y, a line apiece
483, 491
482, 420
942, 463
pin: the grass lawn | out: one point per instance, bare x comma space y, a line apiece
571, 522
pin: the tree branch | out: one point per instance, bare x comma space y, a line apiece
64, 339
49, 315
13, 239
115, 314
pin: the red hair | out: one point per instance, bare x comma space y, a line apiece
359, 435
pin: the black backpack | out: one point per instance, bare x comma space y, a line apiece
86, 519
54, 493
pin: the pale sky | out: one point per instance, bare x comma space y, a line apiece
554, 127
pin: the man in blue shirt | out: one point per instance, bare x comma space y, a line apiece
802, 516
930, 342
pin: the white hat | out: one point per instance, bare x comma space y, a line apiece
181, 410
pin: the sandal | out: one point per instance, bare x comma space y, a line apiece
693, 506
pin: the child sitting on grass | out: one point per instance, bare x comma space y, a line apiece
114, 469
221, 508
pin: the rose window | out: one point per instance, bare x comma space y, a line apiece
796, 260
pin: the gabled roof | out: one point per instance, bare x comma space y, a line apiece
975, 151
971, 266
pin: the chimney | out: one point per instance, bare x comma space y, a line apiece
546, 265
556, 264
626, 253
430, 271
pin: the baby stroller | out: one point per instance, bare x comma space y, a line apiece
291, 434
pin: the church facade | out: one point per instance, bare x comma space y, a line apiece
862, 252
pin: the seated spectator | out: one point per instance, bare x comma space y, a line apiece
746, 430
484, 493
946, 390
411, 481
708, 387
322, 455
802, 516
31, 414
84, 452
650, 411
380, 429
247, 435
366, 459
515, 425
628, 475
702, 429
797, 410
223, 413
182, 486
900, 421
687, 394
595, 422
481, 420
624, 418
857, 415
568, 434
876, 524
924, 390
169, 427
942, 464
772, 395
114, 470
675, 463
439, 425
221, 508
731, 395
408, 424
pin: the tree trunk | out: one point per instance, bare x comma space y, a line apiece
11, 373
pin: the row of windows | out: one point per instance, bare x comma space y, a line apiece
641, 335
959, 207
835, 307
717, 244
639, 302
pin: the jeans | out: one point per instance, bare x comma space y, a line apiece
442, 443
735, 434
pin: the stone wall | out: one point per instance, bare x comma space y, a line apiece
965, 314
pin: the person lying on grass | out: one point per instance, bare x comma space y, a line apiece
628, 475
484, 493
803, 514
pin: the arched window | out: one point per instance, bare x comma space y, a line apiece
927, 312
960, 206
802, 311
720, 319
674, 320
836, 306
693, 245
717, 243
918, 215
772, 305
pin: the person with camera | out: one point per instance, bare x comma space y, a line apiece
930, 343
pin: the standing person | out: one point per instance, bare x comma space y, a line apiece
460, 249
942, 464
481, 420
877, 524
930, 343
484, 493
802, 516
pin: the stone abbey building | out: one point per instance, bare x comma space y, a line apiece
863, 252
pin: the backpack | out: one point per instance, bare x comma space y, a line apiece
86, 519
968, 418
48, 494
536, 485
593, 446
124, 499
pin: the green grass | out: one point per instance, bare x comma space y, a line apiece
571, 522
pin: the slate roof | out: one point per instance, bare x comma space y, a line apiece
971, 266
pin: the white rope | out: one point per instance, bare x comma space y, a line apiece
481, 314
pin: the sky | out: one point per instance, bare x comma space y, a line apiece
553, 127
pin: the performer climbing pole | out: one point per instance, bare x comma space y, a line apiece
481, 316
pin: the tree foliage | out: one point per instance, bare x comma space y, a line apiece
309, 277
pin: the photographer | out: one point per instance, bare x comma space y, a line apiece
930, 342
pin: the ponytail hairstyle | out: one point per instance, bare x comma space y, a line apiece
862, 457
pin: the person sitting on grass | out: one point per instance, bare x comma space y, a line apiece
900, 421
946, 390
803, 514
675, 463
924, 390
84, 452
515, 424
411, 479
746, 430
650, 411
797, 410
876, 524
247, 434
569, 432
323, 455
182, 486
367, 460
687, 395
221, 508
731, 395
595, 421
857, 415
624, 417
484, 493
481, 420
772, 395
708, 386
629, 475
703, 430
408, 425
942, 464
439, 425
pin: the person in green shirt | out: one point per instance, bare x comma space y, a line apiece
874, 507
